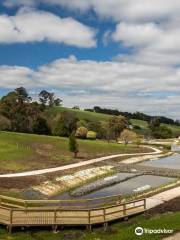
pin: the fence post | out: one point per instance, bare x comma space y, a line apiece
145, 204
124, 209
55, 221
89, 220
10, 222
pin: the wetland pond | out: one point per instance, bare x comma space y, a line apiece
172, 162
135, 184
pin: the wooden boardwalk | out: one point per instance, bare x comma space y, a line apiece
16, 212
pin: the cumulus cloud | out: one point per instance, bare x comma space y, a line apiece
126, 86
146, 79
29, 25
139, 10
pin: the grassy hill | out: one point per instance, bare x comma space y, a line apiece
92, 116
20, 152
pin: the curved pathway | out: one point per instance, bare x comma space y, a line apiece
75, 165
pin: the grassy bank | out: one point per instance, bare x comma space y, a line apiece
20, 152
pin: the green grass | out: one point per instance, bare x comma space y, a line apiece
20, 152
92, 116
122, 230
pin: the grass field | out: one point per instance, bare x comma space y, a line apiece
19, 152
123, 230
104, 117
92, 116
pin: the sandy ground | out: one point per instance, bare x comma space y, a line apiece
75, 165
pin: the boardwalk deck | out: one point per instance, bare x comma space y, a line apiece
62, 215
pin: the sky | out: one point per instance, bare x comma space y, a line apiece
120, 54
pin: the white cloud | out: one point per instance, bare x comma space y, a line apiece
146, 79
126, 86
13, 76
138, 10
137, 34
30, 25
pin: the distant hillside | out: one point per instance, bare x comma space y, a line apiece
93, 116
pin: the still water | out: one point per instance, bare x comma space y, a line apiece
130, 186
172, 162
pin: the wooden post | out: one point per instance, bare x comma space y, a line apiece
10, 224
55, 220
105, 223
104, 214
124, 209
89, 220
145, 204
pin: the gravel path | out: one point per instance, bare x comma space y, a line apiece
162, 197
75, 165
174, 237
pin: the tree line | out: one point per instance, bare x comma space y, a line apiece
20, 113
136, 115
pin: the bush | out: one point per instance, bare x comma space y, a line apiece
41, 126
5, 123
91, 135
73, 145
162, 132
64, 124
81, 132
128, 136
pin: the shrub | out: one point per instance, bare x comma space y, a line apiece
91, 135
73, 145
81, 132
128, 136
41, 126
5, 123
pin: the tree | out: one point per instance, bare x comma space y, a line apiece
43, 97
116, 125
22, 95
162, 132
64, 124
5, 123
154, 123
47, 98
158, 130
73, 145
57, 102
41, 126
81, 132
22, 113
128, 135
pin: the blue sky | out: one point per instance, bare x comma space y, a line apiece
117, 54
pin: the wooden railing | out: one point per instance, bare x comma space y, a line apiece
34, 213
80, 203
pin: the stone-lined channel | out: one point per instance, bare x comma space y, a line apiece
135, 184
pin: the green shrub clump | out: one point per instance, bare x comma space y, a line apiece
91, 135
